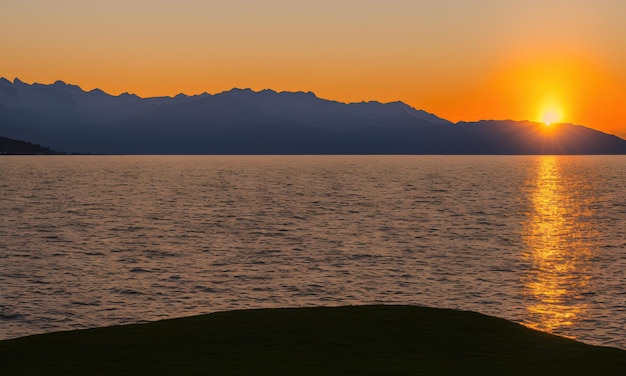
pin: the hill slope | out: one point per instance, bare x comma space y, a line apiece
366, 340
16, 147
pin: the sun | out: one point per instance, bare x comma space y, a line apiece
551, 116
550, 110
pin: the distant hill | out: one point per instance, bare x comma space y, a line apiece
17, 147
241, 121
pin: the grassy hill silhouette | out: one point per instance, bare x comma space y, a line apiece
358, 340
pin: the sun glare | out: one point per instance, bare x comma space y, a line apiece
551, 116
551, 112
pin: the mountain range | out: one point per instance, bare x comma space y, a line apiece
241, 121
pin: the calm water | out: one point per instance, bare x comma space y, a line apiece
96, 241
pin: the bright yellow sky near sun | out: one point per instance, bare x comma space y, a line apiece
460, 59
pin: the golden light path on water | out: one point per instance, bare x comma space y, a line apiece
559, 244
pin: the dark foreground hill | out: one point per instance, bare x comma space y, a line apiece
65, 117
366, 340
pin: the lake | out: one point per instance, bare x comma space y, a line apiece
89, 241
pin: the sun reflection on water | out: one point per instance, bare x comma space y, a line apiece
559, 248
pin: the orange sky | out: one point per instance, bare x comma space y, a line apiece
460, 59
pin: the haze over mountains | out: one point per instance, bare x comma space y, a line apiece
64, 117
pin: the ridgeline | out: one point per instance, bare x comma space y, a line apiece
241, 121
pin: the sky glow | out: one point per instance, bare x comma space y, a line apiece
462, 60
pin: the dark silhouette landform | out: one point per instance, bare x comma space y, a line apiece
18, 147
357, 340
241, 121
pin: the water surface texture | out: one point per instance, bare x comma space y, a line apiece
89, 241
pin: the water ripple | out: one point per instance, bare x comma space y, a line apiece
94, 241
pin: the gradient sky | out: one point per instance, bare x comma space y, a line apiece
459, 59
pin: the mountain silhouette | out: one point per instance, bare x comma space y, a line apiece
241, 121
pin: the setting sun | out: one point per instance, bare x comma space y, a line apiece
551, 109
551, 116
